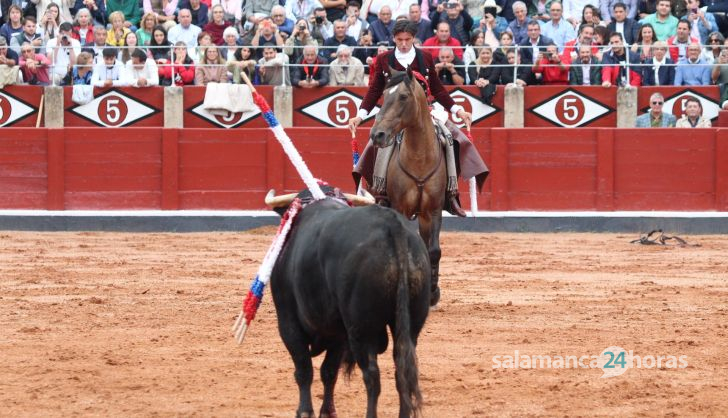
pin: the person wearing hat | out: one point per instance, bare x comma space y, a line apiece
455, 15
491, 21
402, 57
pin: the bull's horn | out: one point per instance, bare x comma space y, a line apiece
357, 200
279, 201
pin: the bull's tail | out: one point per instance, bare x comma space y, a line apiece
405, 358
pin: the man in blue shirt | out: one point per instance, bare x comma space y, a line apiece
559, 30
519, 26
693, 70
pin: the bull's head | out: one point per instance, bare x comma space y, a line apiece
280, 203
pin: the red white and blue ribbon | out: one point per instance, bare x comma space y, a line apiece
255, 294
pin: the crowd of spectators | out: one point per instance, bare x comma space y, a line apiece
311, 43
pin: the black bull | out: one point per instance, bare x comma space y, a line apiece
344, 275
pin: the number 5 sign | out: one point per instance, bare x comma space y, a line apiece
334, 109
570, 108
113, 109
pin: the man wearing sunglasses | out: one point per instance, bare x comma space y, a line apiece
656, 118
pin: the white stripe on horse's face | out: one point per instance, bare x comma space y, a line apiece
393, 89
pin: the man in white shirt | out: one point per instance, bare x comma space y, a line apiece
110, 72
62, 51
141, 71
185, 31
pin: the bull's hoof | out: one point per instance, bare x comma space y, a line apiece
435, 297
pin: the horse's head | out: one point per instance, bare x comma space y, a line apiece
402, 106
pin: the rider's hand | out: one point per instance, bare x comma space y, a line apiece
353, 124
466, 118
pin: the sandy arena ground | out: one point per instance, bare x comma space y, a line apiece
115, 324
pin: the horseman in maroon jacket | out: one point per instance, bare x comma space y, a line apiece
403, 56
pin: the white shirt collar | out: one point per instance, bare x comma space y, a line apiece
656, 62
405, 58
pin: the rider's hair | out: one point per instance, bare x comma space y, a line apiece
404, 26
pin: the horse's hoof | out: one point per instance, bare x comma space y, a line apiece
305, 415
328, 415
435, 297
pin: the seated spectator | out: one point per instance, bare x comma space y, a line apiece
62, 51
34, 66
165, 11
284, 25
692, 71
312, 72
505, 44
141, 71
96, 9
321, 28
591, 14
232, 42
199, 11
272, 68
255, 11
345, 69
297, 10
424, 26
366, 51
459, 21
450, 69
83, 32
110, 72
484, 75
242, 61
586, 70
266, 34
539, 10
549, 68
614, 72
144, 33
217, 26
8, 64
27, 35
204, 40
702, 23
299, 38
48, 22
82, 71
519, 26
713, 48
129, 9
335, 10
160, 47
601, 42
97, 48
491, 24
693, 115
233, 10
624, 19
14, 23
656, 118
679, 42
211, 68
534, 44
524, 75
131, 45
185, 32
586, 37
646, 8
662, 21
181, 71
340, 37
443, 39
381, 48
381, 29
659, 70
557, 28
115, 36
645, 39
719, 73
354, 24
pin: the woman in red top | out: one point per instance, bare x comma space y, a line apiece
553, 71
217, 26
182, 68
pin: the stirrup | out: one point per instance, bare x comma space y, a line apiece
453, 206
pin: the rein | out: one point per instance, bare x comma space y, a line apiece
419, 181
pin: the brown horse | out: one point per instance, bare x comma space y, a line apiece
416, 176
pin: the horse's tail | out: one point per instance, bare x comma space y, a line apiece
405, 358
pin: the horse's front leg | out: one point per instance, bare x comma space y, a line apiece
430, 232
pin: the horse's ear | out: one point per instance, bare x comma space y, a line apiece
409, 72
395, 73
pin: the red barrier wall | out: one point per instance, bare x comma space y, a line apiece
116, 107
19, 106
532, 169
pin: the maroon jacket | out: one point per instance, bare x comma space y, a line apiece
381, 67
